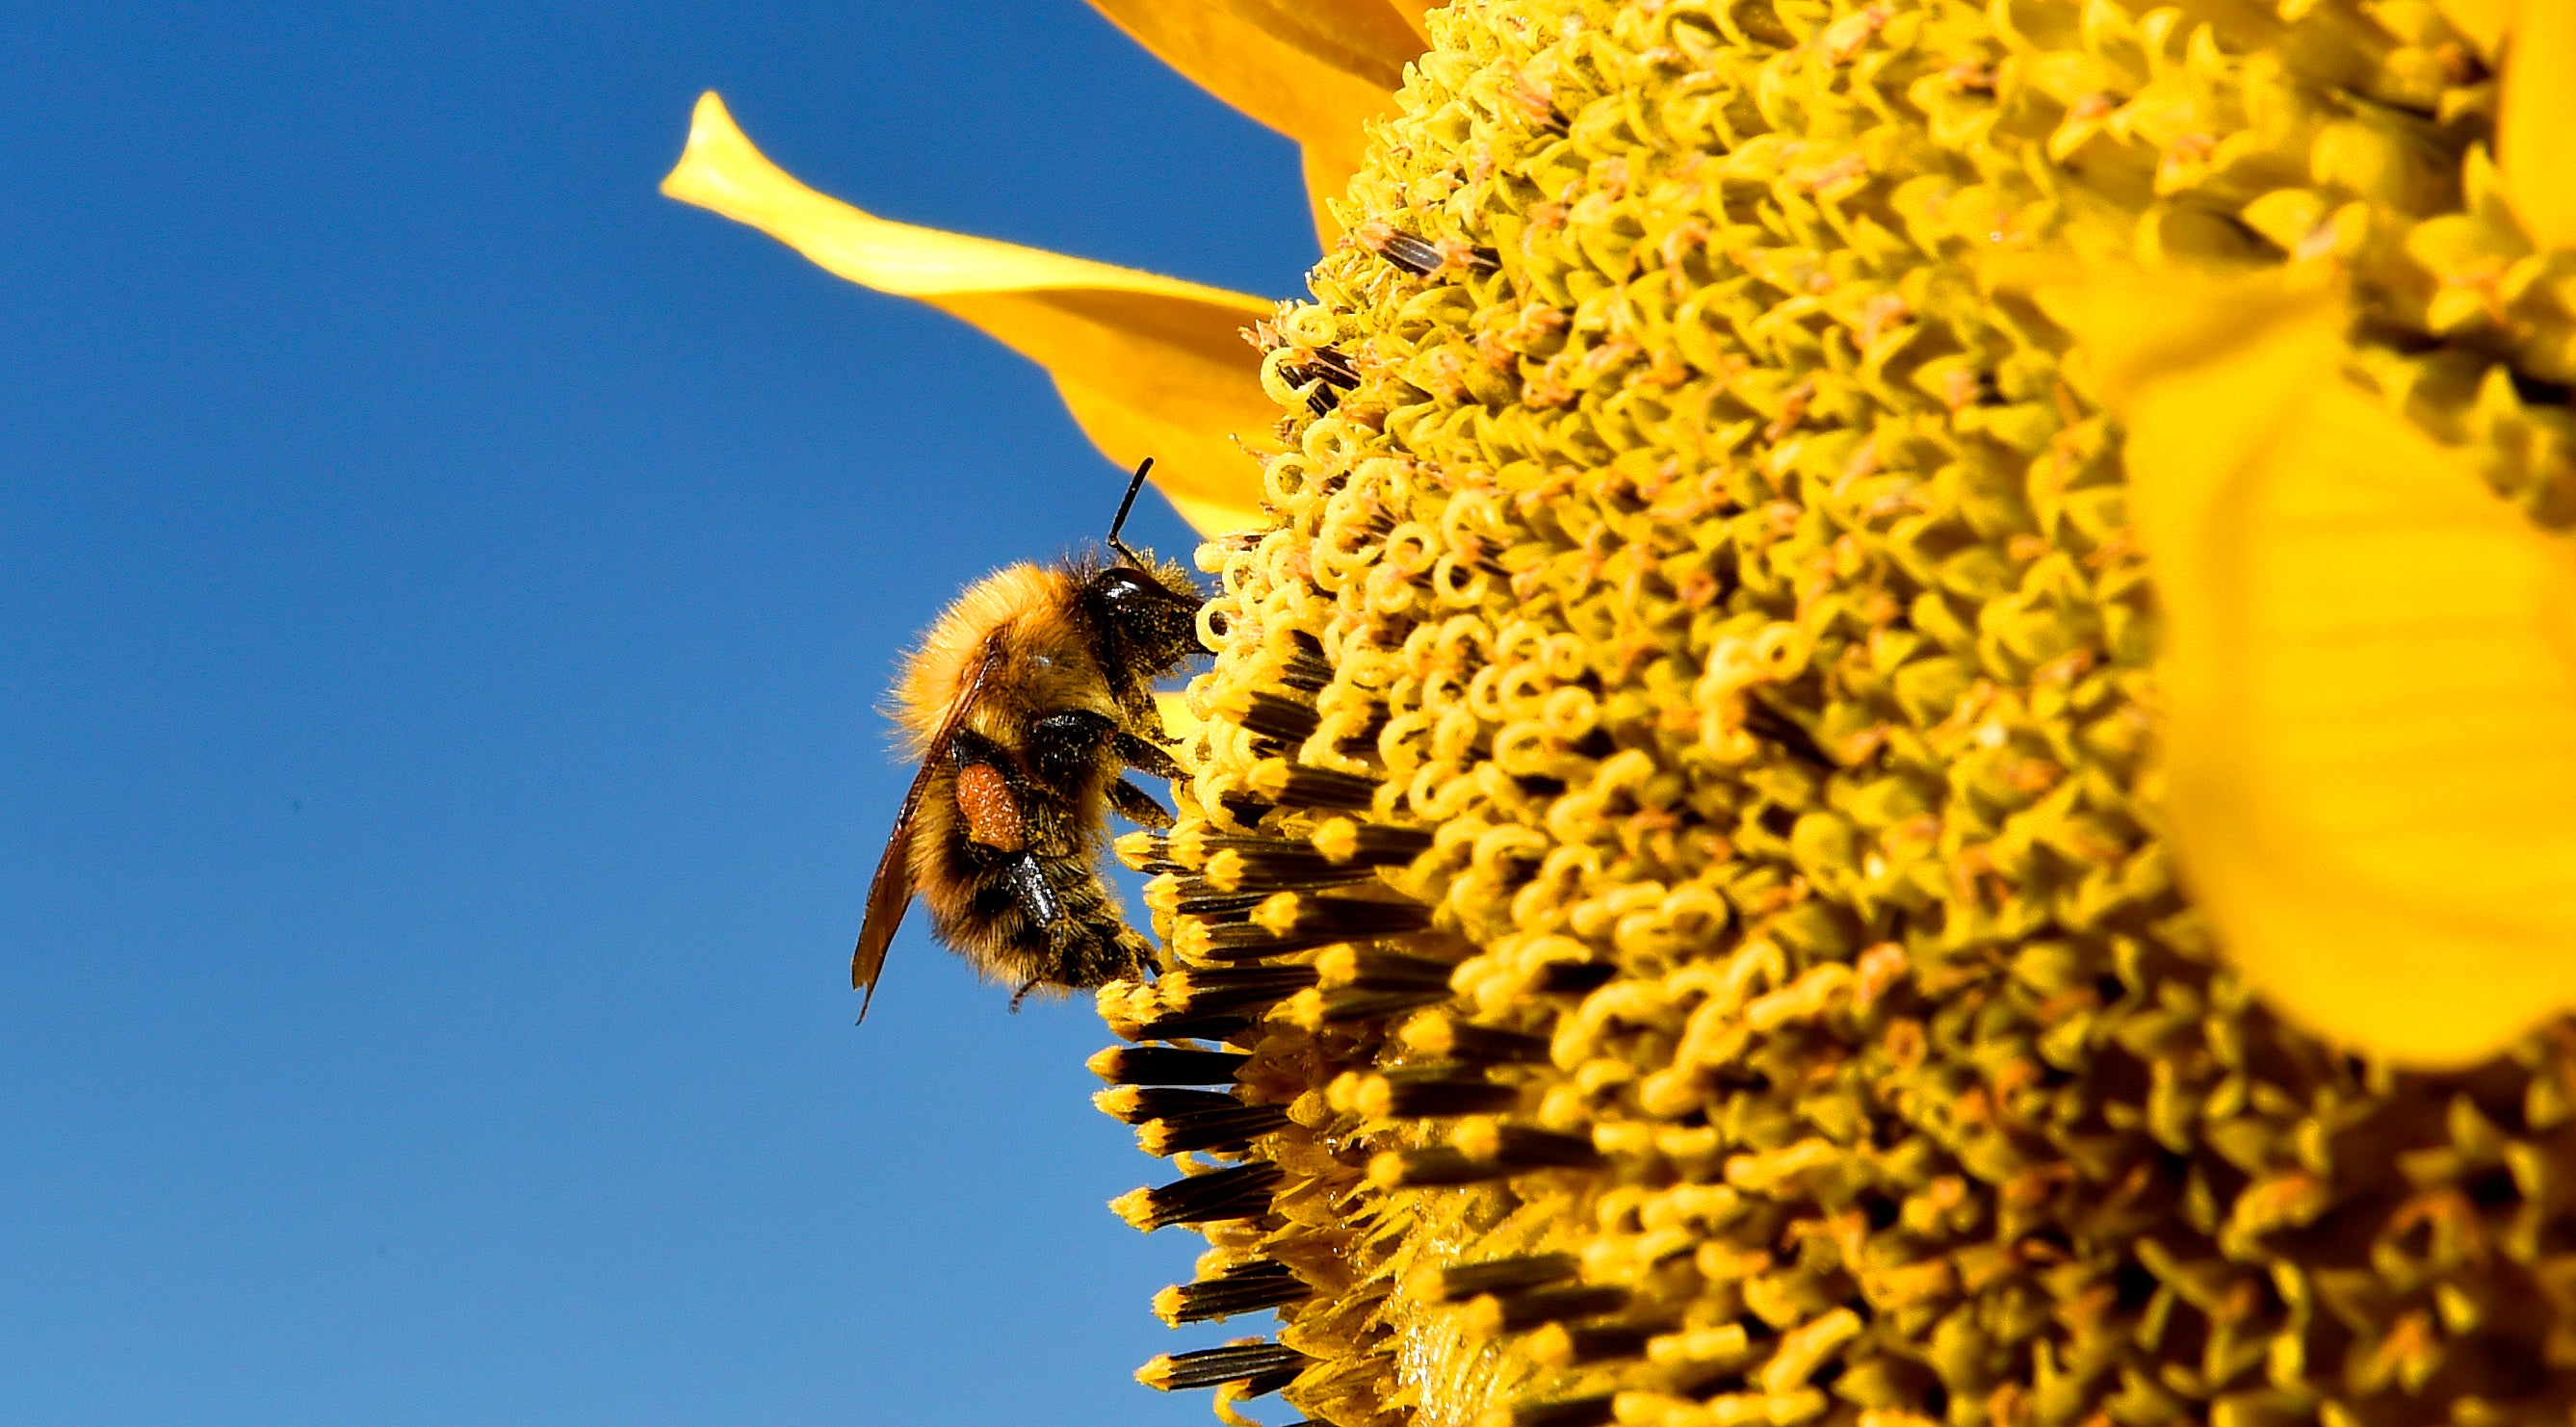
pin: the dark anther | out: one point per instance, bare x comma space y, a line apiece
1346, 1004
1460, 1282
1575, 976
1466, 1040
1270, 867
1364, 739
1772, 726
1135, 1104
1571, 1412
1147, 852
1320, 399
1409, 1169
1392, 971
1379, 845
1289, 720
1207, 1367
1330, 371
1299, 785
1520, 1312
1607, 1342
1236, 1193
1528, 1147
1245, 809
1410, 253
1269, 1382
1201, 991
1163, 1065
1243, 1288
1207, 1129
1215, 908
1307, 670
1193, 1028
1514, 1149
1434, 1092
1336, 367
1317, 921
1351, 918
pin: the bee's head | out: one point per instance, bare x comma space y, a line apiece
1146, 611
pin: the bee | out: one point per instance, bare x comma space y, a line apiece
1026, 702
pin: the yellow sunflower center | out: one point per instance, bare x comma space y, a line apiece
1675, 843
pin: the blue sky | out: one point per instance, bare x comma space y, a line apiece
445, 588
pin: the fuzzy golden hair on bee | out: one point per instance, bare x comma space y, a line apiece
1014, 611
1025, 629
1025, 702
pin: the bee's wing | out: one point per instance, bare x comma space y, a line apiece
890, 892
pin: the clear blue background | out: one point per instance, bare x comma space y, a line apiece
444, 590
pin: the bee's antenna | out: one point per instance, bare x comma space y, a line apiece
1134, 485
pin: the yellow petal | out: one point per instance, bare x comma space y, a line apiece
1150, 366
2536, 121
2370, 681
1327, 179
1414, 12
1315, 70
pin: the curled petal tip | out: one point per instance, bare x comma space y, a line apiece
1149, 365
716, 160
1315, 71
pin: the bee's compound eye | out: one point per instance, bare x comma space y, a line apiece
1123, 588
1119, 586
1133, 605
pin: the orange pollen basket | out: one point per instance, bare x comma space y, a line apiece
992, 815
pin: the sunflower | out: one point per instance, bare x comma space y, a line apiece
1894, 730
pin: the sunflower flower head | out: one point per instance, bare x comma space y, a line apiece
1898, 744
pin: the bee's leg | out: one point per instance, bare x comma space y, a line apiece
1138, 806
1022, 994
1144, 755
1038, 901
1064, 748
